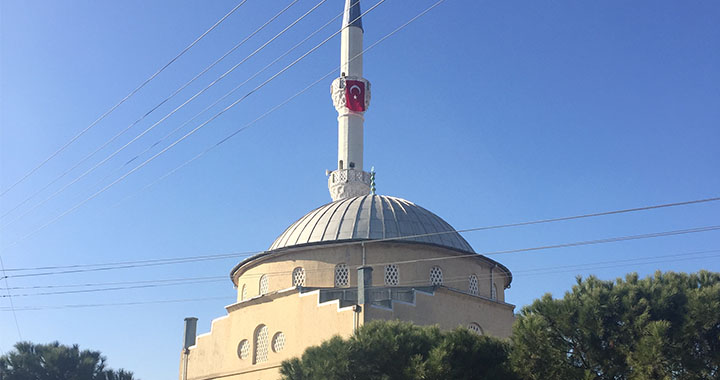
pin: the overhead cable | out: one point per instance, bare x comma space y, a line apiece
138, 167
147, 130
112, 139
77, 136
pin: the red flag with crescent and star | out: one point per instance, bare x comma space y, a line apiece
355, 95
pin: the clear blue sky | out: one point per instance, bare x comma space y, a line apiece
485, 112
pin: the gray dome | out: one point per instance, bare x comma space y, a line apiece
370, 217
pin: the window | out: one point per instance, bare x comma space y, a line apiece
342, 275
243, 350
436, 276
340, 165
298, 276
264, 285
493, 292
260, 353
278, 342
243, 293
473, 285
474, 327
391, 274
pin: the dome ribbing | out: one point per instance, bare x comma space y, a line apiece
371, 217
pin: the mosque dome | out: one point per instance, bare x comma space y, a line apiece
371, 217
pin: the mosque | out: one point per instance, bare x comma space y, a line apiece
359, 258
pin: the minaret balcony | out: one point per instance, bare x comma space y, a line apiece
347, 183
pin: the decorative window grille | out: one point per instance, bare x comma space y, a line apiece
391, 274
264, 284
342, 275
243, 293
436, 276
260, 354
298, 276
243, 350
278, 342
474, 327
493, 292
473, 285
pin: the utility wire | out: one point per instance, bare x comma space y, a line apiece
449, 280
77, 136
12, 305
146, 286
140, 263
112, 139
263, 84
153, 302
147, 130
113, 283
283, 55
283, 103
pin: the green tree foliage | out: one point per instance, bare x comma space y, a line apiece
401, 350
54, 361
663, 327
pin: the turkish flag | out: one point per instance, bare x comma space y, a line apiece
355, 95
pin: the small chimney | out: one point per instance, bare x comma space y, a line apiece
190, 332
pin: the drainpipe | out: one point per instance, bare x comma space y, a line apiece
188, 340
492, 280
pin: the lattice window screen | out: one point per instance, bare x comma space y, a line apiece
278, 342
392, 276
473, 285
264, 284
436, 276
298, 276
244, 349
493, 292
474, 327
342, 275
261, 345
243, 293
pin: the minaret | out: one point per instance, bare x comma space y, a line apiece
351, 97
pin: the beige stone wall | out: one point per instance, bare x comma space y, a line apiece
303, 322
449, 309
319, 265
306, 323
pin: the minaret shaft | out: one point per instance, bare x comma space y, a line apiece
351, 96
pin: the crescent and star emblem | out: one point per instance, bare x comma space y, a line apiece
359, 91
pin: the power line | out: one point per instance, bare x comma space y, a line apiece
147, 130
146, 286
112, 139
111, 283
281, 104
283, 55
136, 265
163, 261
263, 84
153, 302
77, 136
12, 305
448, 280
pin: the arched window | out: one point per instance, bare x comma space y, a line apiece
260, 351
264, 285
436, 276
474, 327
392, 276
243, 350
298, 276
342, 275
243, 293
340, 165
493, 292
473, 285
278, 341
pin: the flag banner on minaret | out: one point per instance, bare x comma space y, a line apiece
355, 95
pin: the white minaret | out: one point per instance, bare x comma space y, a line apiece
351, 97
